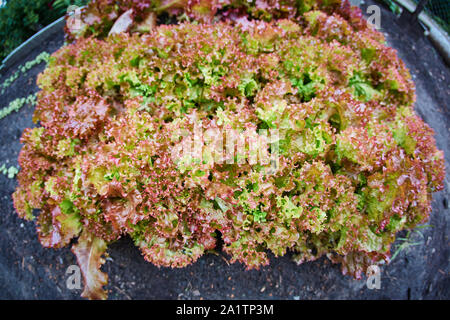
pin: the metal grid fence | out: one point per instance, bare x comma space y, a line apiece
439, 10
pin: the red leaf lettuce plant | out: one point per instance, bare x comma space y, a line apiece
356, 164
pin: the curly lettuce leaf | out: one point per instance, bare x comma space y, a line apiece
89, 250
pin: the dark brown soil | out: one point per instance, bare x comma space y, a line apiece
28, 271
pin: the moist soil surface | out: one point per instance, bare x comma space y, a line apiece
29, 271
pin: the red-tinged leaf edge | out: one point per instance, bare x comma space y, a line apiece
89, 251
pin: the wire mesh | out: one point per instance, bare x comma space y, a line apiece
439, 10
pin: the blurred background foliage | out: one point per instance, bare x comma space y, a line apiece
20, 19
